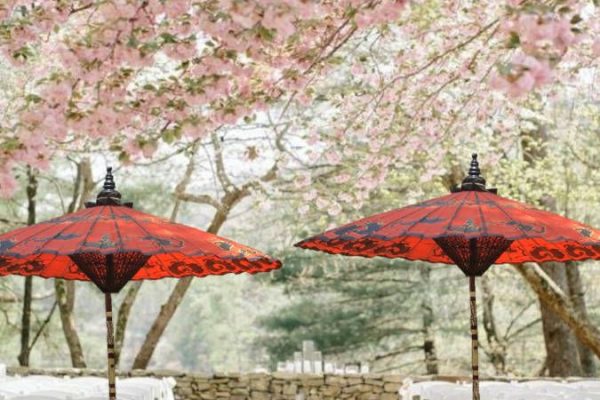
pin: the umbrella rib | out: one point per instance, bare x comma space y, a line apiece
516, 242
456, 211
483, 223
89, 232
518, 226
112, 212
135, 221
36, 233
405, 216
416, 222
411, 225
39, 250
148, 233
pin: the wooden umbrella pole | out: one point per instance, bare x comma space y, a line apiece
474, 346
110, 346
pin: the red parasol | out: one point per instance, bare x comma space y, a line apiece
110, 243
472, 228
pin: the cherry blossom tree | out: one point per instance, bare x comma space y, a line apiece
130, 75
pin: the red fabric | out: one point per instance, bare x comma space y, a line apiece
410, 232
175, 250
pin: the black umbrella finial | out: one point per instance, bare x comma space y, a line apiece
109, 195
474, 181
109, 182
474, 170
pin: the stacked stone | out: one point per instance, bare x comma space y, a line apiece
288, 386
259, 386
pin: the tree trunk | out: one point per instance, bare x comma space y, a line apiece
496, 351
65, 290
65, 295
556, 300
26, 322
586, 356
168, 309
431, 361
23, 358
127, 304
561, 346
123, 317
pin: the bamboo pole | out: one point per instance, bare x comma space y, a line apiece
474, 344
110, 346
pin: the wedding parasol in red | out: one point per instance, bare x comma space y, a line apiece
473, 228
110, 243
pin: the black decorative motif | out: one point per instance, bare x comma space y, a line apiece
218, 266
579, 251
526, 227
58, 236
585, 232
181, 268
358, 246
75, 217
224, 245
104, 243
18, 267
545, 253
366, 230
164, 242
424, 220
5, 245
468, 227
395, 249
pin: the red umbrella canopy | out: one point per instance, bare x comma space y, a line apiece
471, 228
111, 244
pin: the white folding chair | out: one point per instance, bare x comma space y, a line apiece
424, 389
449, 389
35, 396
151, 388
583, 395
588, 385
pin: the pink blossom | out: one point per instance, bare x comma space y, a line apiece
149, 148
310, 195
363, 20
175, 8
58, 93
342, 178
333, 157
322, 203
346, 198
8, 184
31, 118
596, 48
303, 210
302, 181
54, 126
334, 209
282, 23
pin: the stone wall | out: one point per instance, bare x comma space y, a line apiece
275, 386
